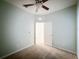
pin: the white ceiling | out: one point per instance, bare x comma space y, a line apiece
54, 5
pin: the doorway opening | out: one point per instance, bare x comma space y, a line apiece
39, 33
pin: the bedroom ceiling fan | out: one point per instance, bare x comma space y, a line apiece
38, 3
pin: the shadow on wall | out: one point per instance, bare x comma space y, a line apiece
17, 29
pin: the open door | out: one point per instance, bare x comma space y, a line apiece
43, 33
40, 33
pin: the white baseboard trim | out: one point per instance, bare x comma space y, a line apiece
15, 51
65, 50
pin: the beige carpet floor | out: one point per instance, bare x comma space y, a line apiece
44, 52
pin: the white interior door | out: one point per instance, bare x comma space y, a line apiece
44, 33
40, 33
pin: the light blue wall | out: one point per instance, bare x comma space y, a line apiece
16, 29
64, 27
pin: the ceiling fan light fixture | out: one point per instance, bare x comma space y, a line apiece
39, 18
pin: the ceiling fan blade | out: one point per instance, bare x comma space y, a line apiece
45, 7
27, 5
44, 1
